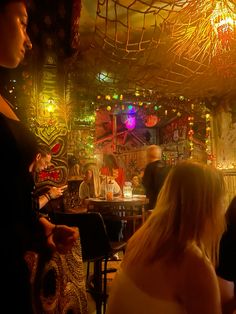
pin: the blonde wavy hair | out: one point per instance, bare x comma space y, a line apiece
189, 210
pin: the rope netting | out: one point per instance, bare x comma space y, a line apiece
168, 46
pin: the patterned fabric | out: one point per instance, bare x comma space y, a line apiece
58, 284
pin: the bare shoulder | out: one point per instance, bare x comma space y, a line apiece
197, 265
199, 286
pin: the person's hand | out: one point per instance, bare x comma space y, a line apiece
55, 192
63, 238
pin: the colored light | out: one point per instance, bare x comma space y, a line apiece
130, 123
115, 96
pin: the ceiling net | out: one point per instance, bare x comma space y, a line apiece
174, 47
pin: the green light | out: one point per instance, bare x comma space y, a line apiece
115, 96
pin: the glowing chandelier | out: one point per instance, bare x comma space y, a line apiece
223, 21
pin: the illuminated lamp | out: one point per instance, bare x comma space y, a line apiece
151, 120
50, 106
130, 123
223, 21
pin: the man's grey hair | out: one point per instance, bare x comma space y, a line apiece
154, 152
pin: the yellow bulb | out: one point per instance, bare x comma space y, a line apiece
50, 108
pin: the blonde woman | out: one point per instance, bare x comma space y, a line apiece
169, 263
90, 187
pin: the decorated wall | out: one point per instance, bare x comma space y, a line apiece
225, 134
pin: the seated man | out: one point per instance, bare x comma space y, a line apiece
41, 161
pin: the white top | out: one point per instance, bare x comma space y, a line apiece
115, 188
126, 298
86, 190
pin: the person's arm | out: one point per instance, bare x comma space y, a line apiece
83, 192
146, 178
60, 238
53, 193
117, 190
102, 188
228, 300
43, 200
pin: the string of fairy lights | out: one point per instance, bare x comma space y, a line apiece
160, 109
152, 110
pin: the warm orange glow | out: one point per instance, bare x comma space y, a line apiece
223, 21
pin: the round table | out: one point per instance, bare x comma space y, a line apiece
125, 209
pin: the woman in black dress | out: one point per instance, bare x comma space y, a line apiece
21, 229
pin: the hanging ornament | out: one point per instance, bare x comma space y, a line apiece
151, 120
